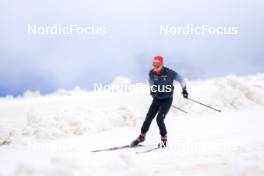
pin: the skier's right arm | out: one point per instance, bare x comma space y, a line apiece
151, 82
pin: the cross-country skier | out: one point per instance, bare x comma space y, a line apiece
161, 89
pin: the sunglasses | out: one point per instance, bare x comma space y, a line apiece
156, 66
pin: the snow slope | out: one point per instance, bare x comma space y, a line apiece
53, 134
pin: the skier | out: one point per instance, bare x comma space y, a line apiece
161, 89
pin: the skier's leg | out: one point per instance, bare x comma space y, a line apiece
164, 109
153, 109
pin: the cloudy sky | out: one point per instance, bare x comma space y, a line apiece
132, 38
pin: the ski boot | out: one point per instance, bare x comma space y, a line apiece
163, 143
140, 139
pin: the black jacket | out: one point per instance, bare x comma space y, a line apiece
161, 86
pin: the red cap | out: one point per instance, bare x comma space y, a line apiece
158, 60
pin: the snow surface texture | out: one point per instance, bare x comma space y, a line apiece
53, 134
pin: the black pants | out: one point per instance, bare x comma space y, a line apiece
161, 107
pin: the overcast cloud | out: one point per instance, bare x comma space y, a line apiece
49, 62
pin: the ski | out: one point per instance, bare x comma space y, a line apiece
148, 150
115, 148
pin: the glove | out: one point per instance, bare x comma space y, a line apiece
185, 93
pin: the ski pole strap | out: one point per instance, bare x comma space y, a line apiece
218, 110
179, 109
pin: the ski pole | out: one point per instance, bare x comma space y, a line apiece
218, 110
179, 109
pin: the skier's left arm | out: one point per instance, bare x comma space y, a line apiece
180, 79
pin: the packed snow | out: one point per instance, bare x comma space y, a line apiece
54, 134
